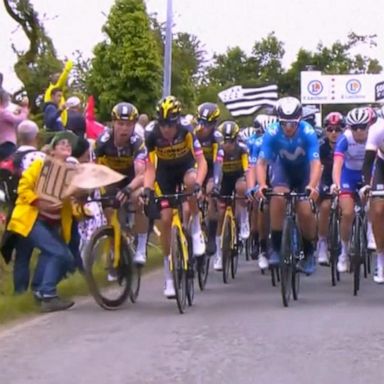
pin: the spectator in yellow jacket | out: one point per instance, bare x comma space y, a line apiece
46, 226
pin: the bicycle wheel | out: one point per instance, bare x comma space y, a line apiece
334, 247
286, 264
364, 251
136, 282
235, 257
179, 270
109, 286
297, 255
226, 250
190, 282
355, 255
202, 265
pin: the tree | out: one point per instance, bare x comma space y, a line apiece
34, 66
127, 65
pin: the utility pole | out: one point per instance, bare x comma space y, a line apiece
168, 52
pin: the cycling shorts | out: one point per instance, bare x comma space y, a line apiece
229, 181
292, 178
350, 181
378, 175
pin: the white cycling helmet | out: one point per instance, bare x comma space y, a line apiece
246, 133
358, 117
263, 121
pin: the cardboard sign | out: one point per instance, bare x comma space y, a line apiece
54, 179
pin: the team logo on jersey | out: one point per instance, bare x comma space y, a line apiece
353, 86
315, 87
272, 130
105, 137
284, 154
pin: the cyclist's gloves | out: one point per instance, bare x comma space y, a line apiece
363, 192
196, 188
146, 195
250, 192
215, 191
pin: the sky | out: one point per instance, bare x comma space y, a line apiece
219, 24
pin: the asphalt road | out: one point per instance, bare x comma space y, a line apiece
238, 333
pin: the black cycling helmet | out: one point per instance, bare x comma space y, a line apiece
208, 113
125, 111
229, 129
168, 110
334, 119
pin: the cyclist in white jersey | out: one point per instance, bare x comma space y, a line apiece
374, 158
347, 174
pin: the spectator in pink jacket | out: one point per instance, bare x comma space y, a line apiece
9, 120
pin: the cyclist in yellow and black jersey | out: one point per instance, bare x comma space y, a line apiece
229, 176
207, 119
175, 158
122, 150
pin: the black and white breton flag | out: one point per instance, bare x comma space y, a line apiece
246, 101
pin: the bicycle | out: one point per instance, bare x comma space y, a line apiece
110, 250
230, 242
180, 263
334, 243
291, 246
358, 245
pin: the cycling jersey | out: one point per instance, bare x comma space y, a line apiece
353, 154
254, 144
184, 148
326, 158
375, 140
120, 159
292, 152
210, 146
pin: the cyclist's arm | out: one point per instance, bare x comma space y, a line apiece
266, 154
140, 154
261, 171
369, 159
314, 158
202, 167
150, 171
218, 167
338, 159
315, 175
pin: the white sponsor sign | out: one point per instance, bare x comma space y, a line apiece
317, 88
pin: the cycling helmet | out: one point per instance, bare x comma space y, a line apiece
263, 121
208, 113
373, 114
288, 108
246, 133
334, 119
168, 109
358, 117
229, 130
124, 111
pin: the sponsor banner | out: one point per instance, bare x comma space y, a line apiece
317, 88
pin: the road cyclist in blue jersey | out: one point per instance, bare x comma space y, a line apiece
259, 221
292, 146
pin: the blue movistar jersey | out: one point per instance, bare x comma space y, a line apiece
294, 151
254, 144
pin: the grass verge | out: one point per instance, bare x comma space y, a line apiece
14, 307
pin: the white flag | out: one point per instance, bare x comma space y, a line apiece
246, 101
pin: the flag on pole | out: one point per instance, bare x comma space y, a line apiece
246, 101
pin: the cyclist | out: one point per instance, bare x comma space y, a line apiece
259, 223
374, 158
334, 124
293, 147
207, 119
347, 174
123, 150
229, 177
175, 157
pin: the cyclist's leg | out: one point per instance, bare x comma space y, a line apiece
212, 219
347, 206
323, 224
198, 243
241, 206
141, 229
227, 187
279, 183
377, 215
263, 231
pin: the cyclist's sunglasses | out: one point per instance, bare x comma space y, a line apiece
334, 129
289, 123
205, 123
361, 127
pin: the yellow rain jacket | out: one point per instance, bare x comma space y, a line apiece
25, 213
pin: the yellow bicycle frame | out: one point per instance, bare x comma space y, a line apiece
228, 215
176, 223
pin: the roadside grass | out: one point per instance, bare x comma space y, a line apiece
13, 307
